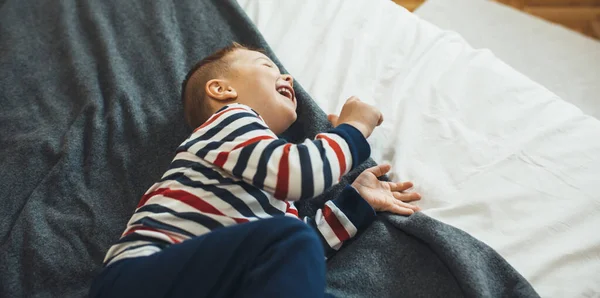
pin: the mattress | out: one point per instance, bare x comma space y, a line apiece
492, 152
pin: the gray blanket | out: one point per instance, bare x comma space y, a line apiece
90, 116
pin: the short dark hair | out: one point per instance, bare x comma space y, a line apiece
193, 97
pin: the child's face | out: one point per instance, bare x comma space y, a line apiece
259, 85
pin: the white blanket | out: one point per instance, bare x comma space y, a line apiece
491, 151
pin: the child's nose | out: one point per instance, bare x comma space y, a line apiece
288, 78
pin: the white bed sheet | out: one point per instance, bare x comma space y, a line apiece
492, 152
562, 60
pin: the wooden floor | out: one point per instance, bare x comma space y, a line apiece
580, 15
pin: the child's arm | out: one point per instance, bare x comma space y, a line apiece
237, 140
340, 219
354, 209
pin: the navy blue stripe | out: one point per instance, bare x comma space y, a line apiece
209, 173
155, 224
199, 168
216, 129
137, 237
359, 147
198, 218
254, 111
326, 166
222, 109
223, 194
328, 250
226, 195
230, 137
306, 172
242, 161
263, 162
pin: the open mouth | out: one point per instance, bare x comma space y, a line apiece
287, 92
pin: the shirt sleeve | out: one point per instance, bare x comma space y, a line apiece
236, 140
340, 219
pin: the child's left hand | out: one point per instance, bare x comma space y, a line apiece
384, 195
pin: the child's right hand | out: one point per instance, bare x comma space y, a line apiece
362, 116
383, 195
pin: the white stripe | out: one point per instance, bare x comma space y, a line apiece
228, 112
224, 132
179, 207
154, 187
252, 166
234, 155
317, 168
345, 149
203, 130
216, 201
252, 203
206, 196
273, 170
279, 204
120, 247
196, 176
154, 234
295, 175
136, 252
249, 134
326, 231
229, 145
170, 219
348, 225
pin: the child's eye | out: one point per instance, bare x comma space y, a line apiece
268, 65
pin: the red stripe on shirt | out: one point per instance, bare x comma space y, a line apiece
335, 224
338, 152
222, 156
189, 199
291, 210
283, 175
215, 117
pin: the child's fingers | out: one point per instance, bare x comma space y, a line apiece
400, 186
407, 206
333, 119
406, 196
396, 209
380, 170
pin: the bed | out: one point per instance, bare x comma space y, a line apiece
492, 151
89, 90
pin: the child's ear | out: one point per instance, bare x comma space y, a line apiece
220, 90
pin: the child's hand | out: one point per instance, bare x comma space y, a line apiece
362, 116
383, 195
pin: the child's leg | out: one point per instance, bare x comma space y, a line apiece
277, 257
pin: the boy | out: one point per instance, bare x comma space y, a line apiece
234, 172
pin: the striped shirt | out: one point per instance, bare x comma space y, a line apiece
233, 170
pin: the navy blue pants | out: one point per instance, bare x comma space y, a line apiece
277, 257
